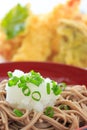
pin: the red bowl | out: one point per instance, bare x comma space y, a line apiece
57, 72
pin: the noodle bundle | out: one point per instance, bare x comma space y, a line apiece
70, 112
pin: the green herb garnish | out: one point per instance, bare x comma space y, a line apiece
10, 74
56, 88
35, 78
26, 90
36, 95
13, 81
23, 79
48, 88
21, 85
64, 107
62, 85
18, 112
49, 112
14, 21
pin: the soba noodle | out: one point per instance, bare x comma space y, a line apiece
69, 118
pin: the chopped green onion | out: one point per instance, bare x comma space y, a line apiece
62, 86
27, 78
64, 107
49, 112
34, 73
56, 88
10, 74
35, 78
13, 81
48, 88
23, 79
36, 96
35, 82
26, 91
18, 112
21, 85
54, 83
10, 83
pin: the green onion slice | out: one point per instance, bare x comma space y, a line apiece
36, 96
64, 107
10, 83
26, 91
21, 85
56, 88
48, 88
18, 112
10, 74
13, 81
62, 86
35, 78
49, 112
23, 79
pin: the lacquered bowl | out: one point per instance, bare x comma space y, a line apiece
59, 72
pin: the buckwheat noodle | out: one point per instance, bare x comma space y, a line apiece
74, 97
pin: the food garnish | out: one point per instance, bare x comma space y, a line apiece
17, 112
32, 90
14, 21
49, 111
35, 79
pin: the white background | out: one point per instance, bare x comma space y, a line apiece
38, 6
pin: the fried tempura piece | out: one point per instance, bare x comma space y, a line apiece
36, 45
41, 38
72, 43
59, 36
8, 48
69, 10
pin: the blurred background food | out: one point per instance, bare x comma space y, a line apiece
59, 35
